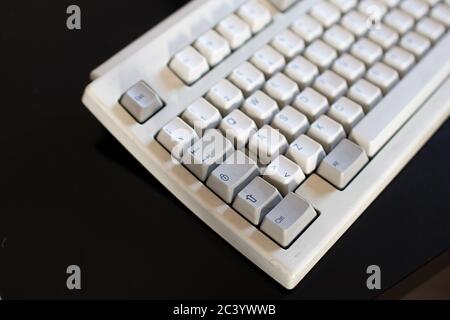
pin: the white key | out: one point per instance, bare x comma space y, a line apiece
384, 36
331, 85
282, 89
236, 31
261, 108
307, 153
288, 44
268, 60
346, 112
399, 59
307, 28
311, 103
327, 132
321, 54
238, 128
189, 65
416, 8
326, 13
374, 9
214, 47
247, 78
391, 3
302, 71
433, 2
339, 38
367, 51
415, 43
283, 4
355, 22
284, 174
383, 77
365, 94
349, 67
225, 96
441, 13
430, 28
344, 5
267, 144
201, 115
399, 20
255, 14
176, 136
291, 123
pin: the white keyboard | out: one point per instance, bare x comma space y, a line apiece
278, 122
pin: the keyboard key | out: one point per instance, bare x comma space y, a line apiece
331, 85
356, 23
326, 13
268, 60
307, 153
307, 28
214, 47
266, 145
261, 108
321, 54
391, 3
255, 14
282, 89
375, 9
283, 4
416, 8
339, 38
327, 132
201, 116
348, 67
415, 43
346, 112
302, 71
284, 174
399, 59
189, 65
288, 44
311, 103
236, 31
365, 94
207, 154
343, 164
256, 200
288, 219
430, 28
247, 78
367, 51
383, 77
231, 177
176, 136
399, 20
441, 13
383, 36
344, 5
225, 96
291, 123
141, 102
238, 128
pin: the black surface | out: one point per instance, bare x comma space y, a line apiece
71, 194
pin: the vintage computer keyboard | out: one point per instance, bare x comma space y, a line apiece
278, 122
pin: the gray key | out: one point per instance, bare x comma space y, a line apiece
207, 154
141, 102
288, 219
343, 164
229, 178
256, 200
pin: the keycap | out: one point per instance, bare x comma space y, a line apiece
225, 96
321, 54
348, 67
415, 43
284, 174
326, 13
355, 22
176, 136
430, 28
391, 3
344, 5
343, 164
433, 2
141, 102
367, 51
255, 14
302, 71
247, 78
339, 38
201, 116
267, 144
229, 178
383, 36
291, 123
399, 59
282, 89
290, 218
308, 28
346, 112
256, 200
236, 31
207, 154
311, 103
330, 85
283, 4
383, 77
189, 65
268, 60
327, 132
399, 20
261, 108
441, 12
375, 9
365, 94
416, 8
213, 47
288, 44
307, 153
238, 128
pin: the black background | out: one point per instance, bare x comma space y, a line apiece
70, 194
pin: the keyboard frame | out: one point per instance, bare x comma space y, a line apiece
147, 58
